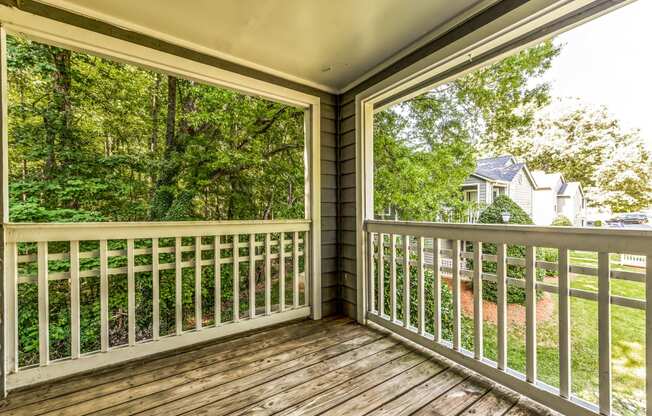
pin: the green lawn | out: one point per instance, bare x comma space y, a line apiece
628, 343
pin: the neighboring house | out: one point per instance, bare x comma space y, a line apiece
555, 197
502, 175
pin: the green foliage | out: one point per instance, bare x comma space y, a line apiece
493, 215
562, 221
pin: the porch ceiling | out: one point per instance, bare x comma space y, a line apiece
326, 44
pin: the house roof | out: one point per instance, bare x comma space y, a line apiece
326, 44
569, 189
501, 168
547, 180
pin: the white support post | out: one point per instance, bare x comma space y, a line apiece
104, 296
252, 276
381, 274
178, 286
75, 343
436, 273
199, 315
501, 318
392, 277
43, 304
406, 281
281, 272
131, 293
457, 302
8, 253
530, 315
371, 272
236, 277
156, 308
478, 316
11, 308
604, 333
564, 325
421, 297
268, 275
217, 256
295, 269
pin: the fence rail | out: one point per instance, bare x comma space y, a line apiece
420, 247
260, 257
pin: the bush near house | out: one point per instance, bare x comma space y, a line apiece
493, 214
562, 221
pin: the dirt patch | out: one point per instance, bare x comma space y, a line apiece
515, 312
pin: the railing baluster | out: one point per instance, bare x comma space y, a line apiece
11, 322
236, 278
295, 270
420, 288
156, 311
252, 275
478, 318
392, 281
178, 295
43, 304
381, 274
530, 315
131, 293
371, 272
457, 307
281, 272
217, 255
648, 334
406, 281
74, 300
501, 318
436, 290
104, 296
604, 332
564, 326
268, 275
199, 316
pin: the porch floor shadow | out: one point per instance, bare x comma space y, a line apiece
332, 367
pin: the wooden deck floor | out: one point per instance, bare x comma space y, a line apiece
332, 367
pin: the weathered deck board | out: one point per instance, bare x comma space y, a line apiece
333, 367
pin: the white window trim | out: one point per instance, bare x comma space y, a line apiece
75, 38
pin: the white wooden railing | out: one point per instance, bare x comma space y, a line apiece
632, 260
145, 251
405, 244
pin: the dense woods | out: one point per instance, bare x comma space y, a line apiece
96, 140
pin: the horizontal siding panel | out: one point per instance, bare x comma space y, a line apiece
348, 294
348, 195
328, 209
328, 111
329, 195
348, 280
328, 126
329, 181
330, 279
347, 167
328, 167
348, 124
328, 139
348, 236
329, 293
328, 265
348, 138
348, 181
348, 109
347, 209
328, 237
348, 223
330, 308
348, 309
329, 251
347, 152
328, 153
329, 223
347, 251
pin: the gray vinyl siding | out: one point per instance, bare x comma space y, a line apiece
522, 193
484, 189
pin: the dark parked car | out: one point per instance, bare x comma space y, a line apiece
633, 218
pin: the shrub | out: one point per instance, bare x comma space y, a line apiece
598, 223
562, 221
493, 214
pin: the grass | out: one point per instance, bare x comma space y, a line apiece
628, 343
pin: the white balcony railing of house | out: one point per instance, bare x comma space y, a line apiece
406, 245
632, 260
133, 251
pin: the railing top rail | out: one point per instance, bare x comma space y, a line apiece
32, 232
589, 239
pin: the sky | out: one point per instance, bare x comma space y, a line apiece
608, 61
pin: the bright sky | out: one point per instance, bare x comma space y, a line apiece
608, 61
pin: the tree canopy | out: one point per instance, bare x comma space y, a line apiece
92, 139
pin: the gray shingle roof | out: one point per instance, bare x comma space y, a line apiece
501, 168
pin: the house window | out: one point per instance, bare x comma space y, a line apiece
498, 190
471, 196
